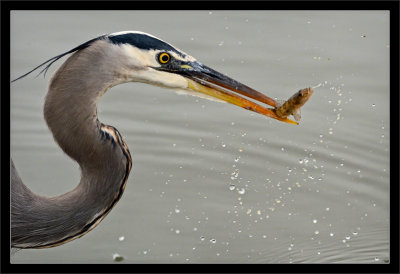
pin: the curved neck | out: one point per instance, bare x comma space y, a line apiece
70, 111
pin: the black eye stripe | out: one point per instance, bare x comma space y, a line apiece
143, 41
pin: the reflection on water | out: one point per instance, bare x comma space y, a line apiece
212, 182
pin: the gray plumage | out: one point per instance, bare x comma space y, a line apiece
70, 112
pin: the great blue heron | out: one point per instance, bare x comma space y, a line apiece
70, 110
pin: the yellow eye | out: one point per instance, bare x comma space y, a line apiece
164, 58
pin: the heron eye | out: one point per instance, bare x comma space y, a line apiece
164, 58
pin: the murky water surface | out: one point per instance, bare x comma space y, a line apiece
213, 183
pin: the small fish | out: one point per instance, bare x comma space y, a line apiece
293, 104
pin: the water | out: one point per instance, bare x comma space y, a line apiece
213, 183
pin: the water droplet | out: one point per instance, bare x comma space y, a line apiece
213, 241
347, 237
177, 231
314, 221
232, 187
316, 232
376, 259
373, 105
117, 257
241, 191
177, 210
121, 238
223, 145
331, 234
235, 174
202, 238
355, 233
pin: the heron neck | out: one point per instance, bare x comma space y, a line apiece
70, 108
70, 111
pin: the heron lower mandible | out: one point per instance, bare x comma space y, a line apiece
70, 110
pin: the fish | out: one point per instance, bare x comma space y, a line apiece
292, 106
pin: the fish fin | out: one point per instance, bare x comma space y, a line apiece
297, 114
279, 103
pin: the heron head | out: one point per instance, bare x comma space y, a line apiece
153, 61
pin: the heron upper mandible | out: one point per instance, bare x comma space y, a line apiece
70, 110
